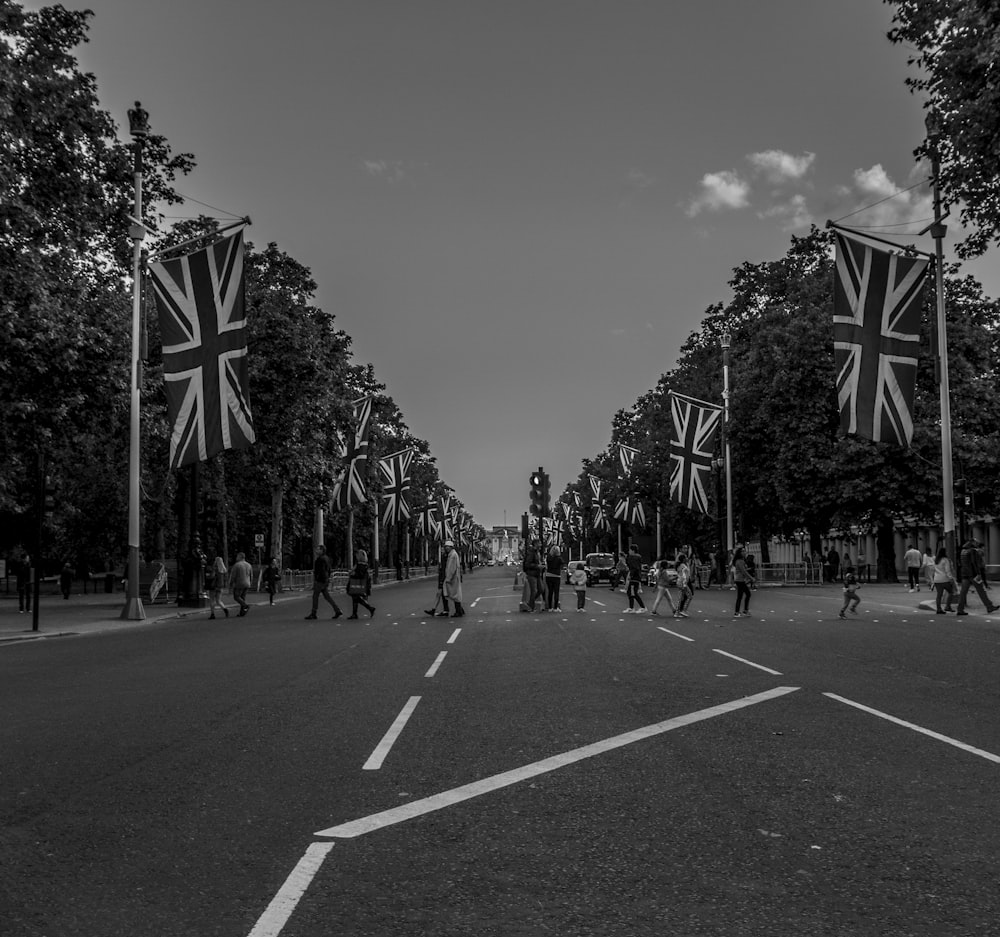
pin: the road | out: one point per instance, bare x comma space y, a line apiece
590, 773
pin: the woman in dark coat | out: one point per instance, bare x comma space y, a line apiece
362, 572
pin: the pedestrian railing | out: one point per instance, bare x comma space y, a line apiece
789, 574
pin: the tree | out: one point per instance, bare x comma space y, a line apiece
956, 47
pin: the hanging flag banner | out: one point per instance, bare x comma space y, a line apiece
631, 511
445, 530
395, 471
696, 424
595, 486
626, 456
353, 488
427, 524
877, 299
201, 310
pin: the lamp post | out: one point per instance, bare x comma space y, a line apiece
725, 340
138, 126
938, 230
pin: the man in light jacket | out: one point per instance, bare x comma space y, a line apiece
452, 585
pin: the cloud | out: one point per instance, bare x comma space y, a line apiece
793, 213
719, 191
391, 170
779, 167
899, 208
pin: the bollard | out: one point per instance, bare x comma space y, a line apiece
517, 580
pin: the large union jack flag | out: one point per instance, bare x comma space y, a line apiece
630, 510
877, 297
353, 487
695, 426
427, 524
395, 471
598, 509
200, 302
446, 521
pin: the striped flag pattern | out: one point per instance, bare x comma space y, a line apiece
877, 300
395, 469
626, 456
630, 510
696, 424
202, 316
352, 488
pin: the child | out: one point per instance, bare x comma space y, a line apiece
578, 579
663, 579
684, 584
851, 586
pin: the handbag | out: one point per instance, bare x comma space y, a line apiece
356, 585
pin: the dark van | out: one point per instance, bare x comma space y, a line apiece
599, 567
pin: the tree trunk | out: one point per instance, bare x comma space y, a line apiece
277, 503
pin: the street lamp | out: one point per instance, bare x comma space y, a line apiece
725, 340
138, 127
937, 229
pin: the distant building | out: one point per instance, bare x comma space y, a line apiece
504, 543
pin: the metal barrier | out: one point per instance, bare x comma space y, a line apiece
789, 574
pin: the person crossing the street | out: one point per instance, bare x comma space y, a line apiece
322, 570
970, 566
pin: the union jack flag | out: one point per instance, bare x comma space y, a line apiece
595, 486
631, 511
553, 528
626, 456
877, 297
599, 517
352, 488
695, 426
200, 303
395, 471
427, 524
445, 529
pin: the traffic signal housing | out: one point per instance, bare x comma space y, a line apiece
539, 493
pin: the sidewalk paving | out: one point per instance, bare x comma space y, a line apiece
96, 613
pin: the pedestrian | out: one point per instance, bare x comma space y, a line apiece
215, 580
713, 570
633, 579
578, 579
321, 583
683, 585
663, 578
864, 572
531, 566
833, 565
970, 565
453, 579
751, 562
944, 579
743, 580
25, 580
927, 567
553, 577
240, 577
621, 573
66, 579
359, 586
272, 579
440, 593
912, 560
851, 597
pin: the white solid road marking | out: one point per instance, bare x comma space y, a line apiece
683, 637
989, 756
742, 660
283, 904
598, 602
436, 664
376, 758
454, 635
418, 808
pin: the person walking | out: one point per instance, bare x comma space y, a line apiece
927, 568
553, 577
359, 586
66, 579
452, 586
25, 580
833, 564
321, 583
851, 597
532, 575
970, 566
633, 580
944, 579
864, 573
215, 579
743, 579
271, 579
578, 579
240, 577
663, 578
683, 585
912, 560
439, 597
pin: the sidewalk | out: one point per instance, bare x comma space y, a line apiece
96, 613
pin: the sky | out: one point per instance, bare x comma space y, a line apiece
520, 209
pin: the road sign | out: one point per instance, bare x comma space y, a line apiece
258, 540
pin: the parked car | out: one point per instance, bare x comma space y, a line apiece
599, 567
654, 574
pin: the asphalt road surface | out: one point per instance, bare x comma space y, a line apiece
569, 773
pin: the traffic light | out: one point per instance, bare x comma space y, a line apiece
49, 497
961, 496
537, 493
546, 495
